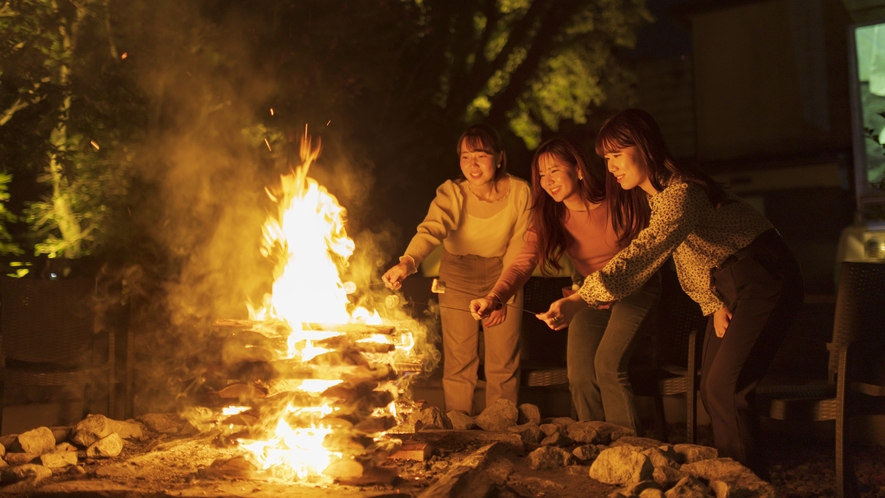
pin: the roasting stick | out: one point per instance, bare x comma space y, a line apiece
439, 287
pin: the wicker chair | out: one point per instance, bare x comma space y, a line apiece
675, 366
49, 336
855, 385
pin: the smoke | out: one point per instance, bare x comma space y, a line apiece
219, 133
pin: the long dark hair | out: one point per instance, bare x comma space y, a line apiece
485, 138
546, 214
636, 128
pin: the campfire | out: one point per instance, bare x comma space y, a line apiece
317, 379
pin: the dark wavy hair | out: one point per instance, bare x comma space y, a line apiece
485, 138
636, 128
547, 216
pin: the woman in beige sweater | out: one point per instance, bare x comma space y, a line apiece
480, 219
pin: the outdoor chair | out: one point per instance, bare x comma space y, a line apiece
856, 382
48, 334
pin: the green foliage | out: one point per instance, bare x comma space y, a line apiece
104, 97
7, 246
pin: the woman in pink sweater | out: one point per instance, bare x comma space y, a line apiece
570, 216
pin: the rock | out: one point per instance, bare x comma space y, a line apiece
107, 447
460, 420
637, 488
58, 459
529, 432
65, 446
344, 468
690, 453
476, 476
557, 439
20, 458
642, 443
39, 441
586, 452
27, 471
549, 457
652, 493
549, 429
529, 413
499, 416
61, 434
91, 429
621, 465
661, 458
667, 477
127, 429
431, 417
561, 422
597, 432
731, 478
688, 487
162, 422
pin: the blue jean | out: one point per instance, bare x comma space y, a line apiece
471, 277
600, 344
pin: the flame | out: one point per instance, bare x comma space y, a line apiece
308, 242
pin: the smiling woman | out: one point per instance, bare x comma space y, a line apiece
480, 220
729, 259
570, 215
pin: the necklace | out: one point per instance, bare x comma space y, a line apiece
491, 197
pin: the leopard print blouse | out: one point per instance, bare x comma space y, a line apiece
685, 225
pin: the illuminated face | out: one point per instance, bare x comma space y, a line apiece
478, 166
629, 169
558, 178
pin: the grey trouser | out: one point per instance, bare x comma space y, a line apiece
600, 343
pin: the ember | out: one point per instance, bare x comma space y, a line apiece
319, 380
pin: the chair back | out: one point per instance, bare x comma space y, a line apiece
678, 315
860, 306
46, 320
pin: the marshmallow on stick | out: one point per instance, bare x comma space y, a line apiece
438, 286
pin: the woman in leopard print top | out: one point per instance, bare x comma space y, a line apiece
729, 259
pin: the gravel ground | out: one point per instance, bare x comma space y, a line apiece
803, 465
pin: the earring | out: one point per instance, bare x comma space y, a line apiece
580, 178
499, 165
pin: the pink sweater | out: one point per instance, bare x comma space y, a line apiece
595, 244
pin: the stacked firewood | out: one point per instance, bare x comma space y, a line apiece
259, 376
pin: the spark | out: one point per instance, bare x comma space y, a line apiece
271, 111
94, 144
125, 54
268, 144
328, 122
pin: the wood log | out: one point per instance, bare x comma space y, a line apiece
418, 452
242, 391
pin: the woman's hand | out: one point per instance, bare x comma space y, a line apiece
481, 308
562, 311
721, 319
496, 317
394, 277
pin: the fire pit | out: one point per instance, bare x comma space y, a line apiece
308, 386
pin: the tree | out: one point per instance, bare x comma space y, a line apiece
43, 117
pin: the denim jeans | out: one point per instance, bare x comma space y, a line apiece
470, 277
600, 343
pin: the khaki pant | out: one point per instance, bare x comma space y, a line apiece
470, 277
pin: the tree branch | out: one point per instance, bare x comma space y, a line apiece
544, 43
11, 110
